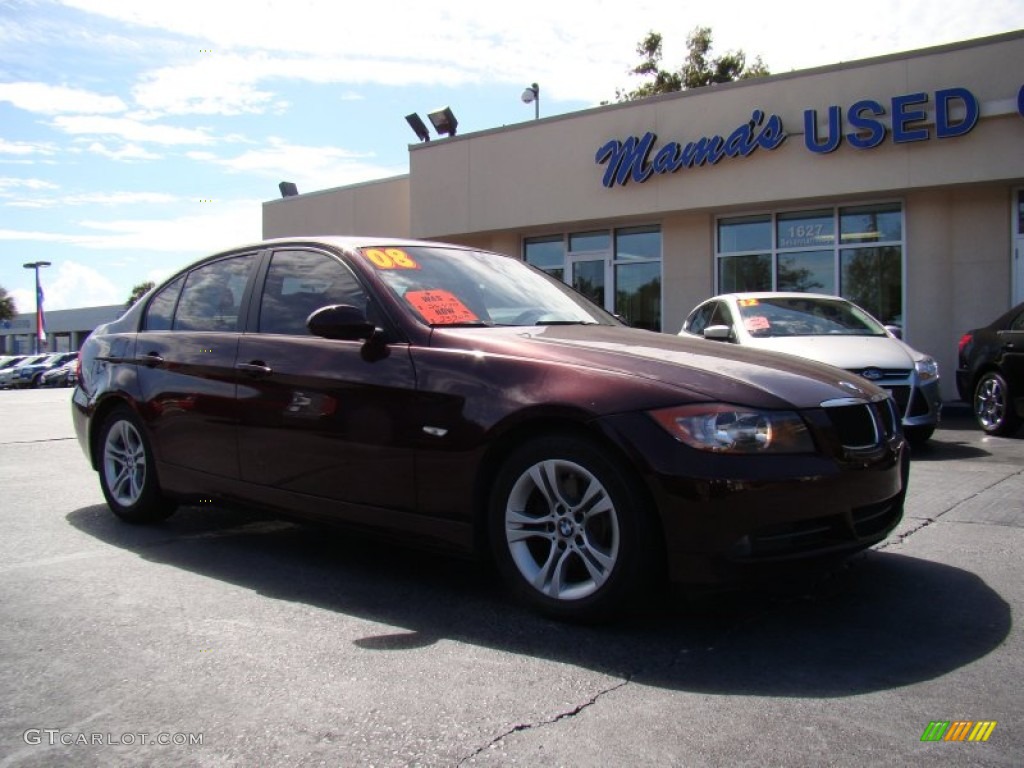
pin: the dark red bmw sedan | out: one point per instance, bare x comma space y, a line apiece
461, 398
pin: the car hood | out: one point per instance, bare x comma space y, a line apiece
701, 370
849, 352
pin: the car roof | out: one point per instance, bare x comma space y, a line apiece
347, 242
779, 295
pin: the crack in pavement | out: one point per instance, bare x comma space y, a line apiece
550, 721
902, 538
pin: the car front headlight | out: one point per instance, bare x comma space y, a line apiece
724, 428
927, 369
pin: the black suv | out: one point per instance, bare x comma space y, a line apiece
990, 372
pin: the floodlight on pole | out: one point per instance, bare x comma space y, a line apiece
532, 95
418, 126
444, 121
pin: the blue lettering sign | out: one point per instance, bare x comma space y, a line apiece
872, 132
944, 128
835, 131
902, 117
628, 160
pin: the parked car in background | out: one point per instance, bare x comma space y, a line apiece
465, 399
9, 374
62, 376
6, 361
831, 330
990, 372
31, 374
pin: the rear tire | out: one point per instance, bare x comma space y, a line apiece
992, 406
127, 472
918, 435
568, 531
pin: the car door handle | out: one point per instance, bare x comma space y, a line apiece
150, 359
255, 368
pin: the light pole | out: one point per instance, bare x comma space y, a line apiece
36, 265
532, 93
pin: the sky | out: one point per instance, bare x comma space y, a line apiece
137, 136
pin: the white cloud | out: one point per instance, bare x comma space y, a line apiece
25, 148
573, 52
131, 130
69, 284
76, 285
45, 99
311, 168
126, 152
35, 184
213, 85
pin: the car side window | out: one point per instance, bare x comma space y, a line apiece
212, 296
722, 315
698, 319
299, 283
160, 312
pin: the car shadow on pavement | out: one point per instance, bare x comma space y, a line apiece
879, 621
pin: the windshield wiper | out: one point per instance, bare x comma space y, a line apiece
566, 322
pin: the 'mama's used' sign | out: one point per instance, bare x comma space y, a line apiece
639, 157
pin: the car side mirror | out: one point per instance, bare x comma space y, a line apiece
718, 333
895, 330
340, 321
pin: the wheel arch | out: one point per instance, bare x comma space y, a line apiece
547, 427
100, 412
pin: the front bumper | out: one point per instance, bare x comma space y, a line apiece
729, 518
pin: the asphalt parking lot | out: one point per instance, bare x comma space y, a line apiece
221, 639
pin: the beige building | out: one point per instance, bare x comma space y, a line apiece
897, 182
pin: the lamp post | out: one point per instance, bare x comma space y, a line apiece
532, 94
36, 265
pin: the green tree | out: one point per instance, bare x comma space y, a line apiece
699, 69
138, 292
7, 307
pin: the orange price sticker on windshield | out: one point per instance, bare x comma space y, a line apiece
390, 258
757, 323
439, 307
748, 302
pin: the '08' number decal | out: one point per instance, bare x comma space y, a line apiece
390, 258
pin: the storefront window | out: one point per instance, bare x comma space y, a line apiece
805, 256
738, 274
871, 224
637, 243
638, 294
745, 233
807, 272
871, 278
806, 229
547, 253
626, 280
589, 241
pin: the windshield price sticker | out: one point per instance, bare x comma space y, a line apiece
748, 302
439, 307
390, 258
757, 323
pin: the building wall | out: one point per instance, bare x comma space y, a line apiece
375, 208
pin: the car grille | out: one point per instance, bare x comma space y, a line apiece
821, 534
858, 425
881, 375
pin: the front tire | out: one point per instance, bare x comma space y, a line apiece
127, 472
993, 408
568, 530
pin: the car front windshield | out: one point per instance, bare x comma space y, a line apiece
798, 316
456, 287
